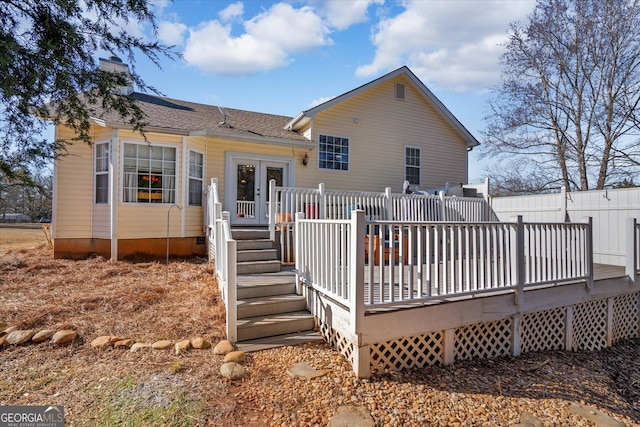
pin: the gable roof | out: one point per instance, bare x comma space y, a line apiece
178, 117
304, 117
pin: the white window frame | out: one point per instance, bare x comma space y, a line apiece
193, 177
103, 171
176, 173
320, 152
407, 165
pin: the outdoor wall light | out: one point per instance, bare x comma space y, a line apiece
305, 159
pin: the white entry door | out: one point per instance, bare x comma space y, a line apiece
250, 189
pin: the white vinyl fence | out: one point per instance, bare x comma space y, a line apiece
609, 209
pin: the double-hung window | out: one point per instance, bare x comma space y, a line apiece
149, 174
102, 172
196, 174
333, 152
412, 165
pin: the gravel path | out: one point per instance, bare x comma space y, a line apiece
500, 392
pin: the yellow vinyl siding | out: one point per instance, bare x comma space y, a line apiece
194, 215
101, 221
74, 189
377, 142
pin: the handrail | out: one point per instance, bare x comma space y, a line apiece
223, 254
322, 203
421, 260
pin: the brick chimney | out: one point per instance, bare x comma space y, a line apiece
115, 64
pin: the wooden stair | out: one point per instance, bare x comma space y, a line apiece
268, 304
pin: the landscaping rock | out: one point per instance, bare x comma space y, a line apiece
232, 371
139, 346
64, 336
43, 335
126, 343
104, 341
304, 370
223, 347
182, 346
20, 336
3, 340
235, 356
200, 343
8, 330
162, 345
594, 415
351, 416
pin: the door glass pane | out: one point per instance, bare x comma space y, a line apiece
274, 173
246, 184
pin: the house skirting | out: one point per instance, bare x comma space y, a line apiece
569, 318
83, 248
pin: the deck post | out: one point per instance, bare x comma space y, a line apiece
520, 262
631, 253
388, 204
361, 362
273, 207
568, 330
589, 248
323, 205
232, 293
516, 336
298, 248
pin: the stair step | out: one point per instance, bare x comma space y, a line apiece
266, 284
249, 233
269, 305
257, 255
253, 267
245, 245
267, 326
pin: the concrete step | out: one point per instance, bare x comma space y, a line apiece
246, 245
249, 233
280, 324
257, 255
269, 305
253, 267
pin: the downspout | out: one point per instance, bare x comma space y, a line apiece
184, 176
113, 185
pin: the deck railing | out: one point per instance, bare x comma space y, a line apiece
320, 203
222, 252
421, 261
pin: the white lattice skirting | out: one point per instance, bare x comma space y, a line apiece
586, 326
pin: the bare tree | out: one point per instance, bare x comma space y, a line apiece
569, 91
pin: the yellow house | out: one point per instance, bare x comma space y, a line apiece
115, 197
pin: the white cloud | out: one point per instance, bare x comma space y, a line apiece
171, 33
212, 48
451, 45
342, 14
268, 42
232, 12
319, 101
293, 29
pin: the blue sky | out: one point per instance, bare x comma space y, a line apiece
285, 57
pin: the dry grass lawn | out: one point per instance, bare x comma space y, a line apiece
127, 299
